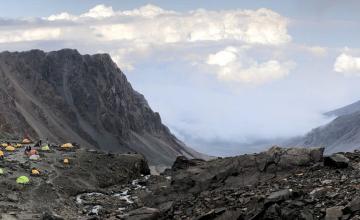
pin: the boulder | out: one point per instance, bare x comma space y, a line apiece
337, 161
334, 213
182, 162
353, 206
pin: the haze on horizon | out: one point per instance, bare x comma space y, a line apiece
224, 76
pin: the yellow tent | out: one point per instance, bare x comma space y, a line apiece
26, 141
67, 145
22, 180
1, 153
10, 148
35, 172
66, 161
18, 145
4, 144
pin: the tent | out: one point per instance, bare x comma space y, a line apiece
22, 180
66, 161
26, 141
33, 152
34, 157
1, 153
45, 148
35, 172
1, 171
10, 148
67, 145
18, 145
4, 144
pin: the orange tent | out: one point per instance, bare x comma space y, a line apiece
26, 141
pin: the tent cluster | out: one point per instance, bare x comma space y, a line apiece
31, 151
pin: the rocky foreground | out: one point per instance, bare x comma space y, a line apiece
292, 183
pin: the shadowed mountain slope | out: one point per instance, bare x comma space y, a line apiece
65, 96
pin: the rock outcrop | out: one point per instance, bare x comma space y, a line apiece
277, 184
65, 96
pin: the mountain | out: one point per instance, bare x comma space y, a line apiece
349, 109
68, 97
341, 134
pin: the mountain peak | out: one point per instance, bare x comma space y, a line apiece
65, 96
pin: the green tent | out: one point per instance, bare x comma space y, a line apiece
1, 171
45, 148
22, 180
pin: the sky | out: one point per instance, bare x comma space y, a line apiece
225, 76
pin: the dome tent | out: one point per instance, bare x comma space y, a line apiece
22, 180
34, 157
26, 141
67, 145
10, 148
45, 148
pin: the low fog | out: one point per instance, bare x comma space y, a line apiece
225, 119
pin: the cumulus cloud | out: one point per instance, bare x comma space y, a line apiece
131, 34
232, 64
33, 34
347, 65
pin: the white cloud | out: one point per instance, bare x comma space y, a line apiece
99, 11
234, 65
347, 65
224, 57
61, 16
155, 25
33, 34
317, 50
133, 34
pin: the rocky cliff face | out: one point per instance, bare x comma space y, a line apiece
65, 96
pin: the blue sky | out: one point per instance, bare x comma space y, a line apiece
223, 75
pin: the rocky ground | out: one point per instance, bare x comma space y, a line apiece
62, 189
278, 184
281, 183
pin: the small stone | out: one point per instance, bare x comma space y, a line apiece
280, 195
343, 177
326, 182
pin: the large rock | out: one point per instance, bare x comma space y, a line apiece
182, 162
336, 160
245, 169
90, 171
334, 213
353, 206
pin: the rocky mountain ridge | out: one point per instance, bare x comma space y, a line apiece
341, 134
64, 96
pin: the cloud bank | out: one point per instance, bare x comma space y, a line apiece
232, 64
131, 35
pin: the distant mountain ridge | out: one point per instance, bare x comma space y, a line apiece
65, 96
341, 134
346, 110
